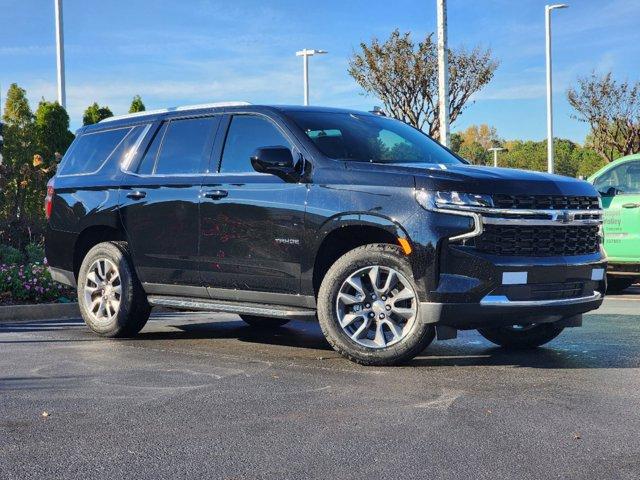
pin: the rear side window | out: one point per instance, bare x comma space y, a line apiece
246, 134
186, 146
91, 150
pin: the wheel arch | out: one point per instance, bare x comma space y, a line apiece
343, 233
90, 237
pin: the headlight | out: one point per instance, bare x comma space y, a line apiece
452, 200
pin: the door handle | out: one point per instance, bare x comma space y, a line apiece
216, 194
136, 195
631, 205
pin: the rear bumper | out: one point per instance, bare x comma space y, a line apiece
624, 269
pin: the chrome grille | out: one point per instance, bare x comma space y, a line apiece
537, 240
546, 202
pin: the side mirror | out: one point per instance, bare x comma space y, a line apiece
272, 160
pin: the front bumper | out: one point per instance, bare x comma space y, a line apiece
478, 290
466, 316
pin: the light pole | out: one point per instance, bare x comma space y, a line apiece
495, 151
443, 74
62, 95
305, 54
547, 18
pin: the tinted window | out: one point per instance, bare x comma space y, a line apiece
186, 146
126, 149
148, 162
90, 151
370, 138
246, 134
624, 178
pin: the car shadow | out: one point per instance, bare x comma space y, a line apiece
296, 334
593, 346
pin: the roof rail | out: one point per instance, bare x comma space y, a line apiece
182, 108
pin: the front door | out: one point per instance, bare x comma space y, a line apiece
252, 223
160, 202
620, 190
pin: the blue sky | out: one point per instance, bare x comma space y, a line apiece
195, 51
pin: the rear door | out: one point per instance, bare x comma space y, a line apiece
252, 223
160, 203
620, 190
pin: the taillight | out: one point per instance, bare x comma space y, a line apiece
48, 200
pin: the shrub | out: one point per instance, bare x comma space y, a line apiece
10, 255
30, 283
35, 253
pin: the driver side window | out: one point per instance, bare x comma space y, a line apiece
622, 179
247, 133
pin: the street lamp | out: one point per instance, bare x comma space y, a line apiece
443, 74
495, 151
547, 17
62, 94
305, 54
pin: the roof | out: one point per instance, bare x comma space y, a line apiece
138, 117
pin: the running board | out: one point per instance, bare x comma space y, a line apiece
273, 311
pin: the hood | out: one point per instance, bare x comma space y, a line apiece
476, 179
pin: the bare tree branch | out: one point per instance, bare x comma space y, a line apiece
612, 110
404, 76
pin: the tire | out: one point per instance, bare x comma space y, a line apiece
618, 285
389, 346
531, 336
264, 322
120, 315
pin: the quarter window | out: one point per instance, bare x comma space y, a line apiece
246, 134
148, 162
186, 146
91, 150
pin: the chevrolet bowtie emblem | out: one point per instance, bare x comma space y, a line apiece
564, 217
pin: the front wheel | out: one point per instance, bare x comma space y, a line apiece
522, 336
112, 301
368, 307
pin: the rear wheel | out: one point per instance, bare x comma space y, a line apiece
618, 284
368, 307
522, 336
264, 322
112, 301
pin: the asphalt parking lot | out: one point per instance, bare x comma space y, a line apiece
200, 395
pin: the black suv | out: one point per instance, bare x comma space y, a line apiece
286, 212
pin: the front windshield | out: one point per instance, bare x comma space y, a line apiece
370, 138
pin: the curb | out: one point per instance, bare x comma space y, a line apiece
44, 311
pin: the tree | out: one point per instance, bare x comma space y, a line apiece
17, 151
571, 159
52, 130
612, 110
404, 76
137, 105
456, 141
484, 135
94, 113
474, 142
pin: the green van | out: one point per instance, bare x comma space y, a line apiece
619, 185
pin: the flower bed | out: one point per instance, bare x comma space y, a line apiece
31, 283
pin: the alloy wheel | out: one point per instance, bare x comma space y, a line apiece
103, 290
376, 306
